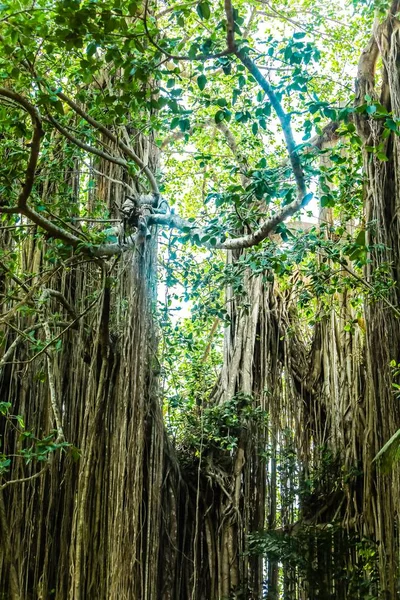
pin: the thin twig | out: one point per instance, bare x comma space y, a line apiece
91, 149
201, 57
113, 138
57, 337
23, 479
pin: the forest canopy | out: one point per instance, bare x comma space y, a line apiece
199, 292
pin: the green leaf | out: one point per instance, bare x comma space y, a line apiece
360, 239
4, 407
307, 198
75, 453
203, 10
91, 49
20, 420
58, 106
184, 125
219, 116
132, 8
330, 113
327, 201
202, 81
174, 123
390, 124
4, 464
235, 94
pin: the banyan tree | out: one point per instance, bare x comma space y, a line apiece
199, 287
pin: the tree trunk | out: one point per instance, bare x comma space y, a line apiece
382, 203
96, 522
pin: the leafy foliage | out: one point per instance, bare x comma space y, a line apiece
30, 448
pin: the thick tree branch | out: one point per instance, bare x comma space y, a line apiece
22, 206
365, 82
35, 147
284, 120
246, 241
174, 221
230, 27
233, 147
50, 227
283, 117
